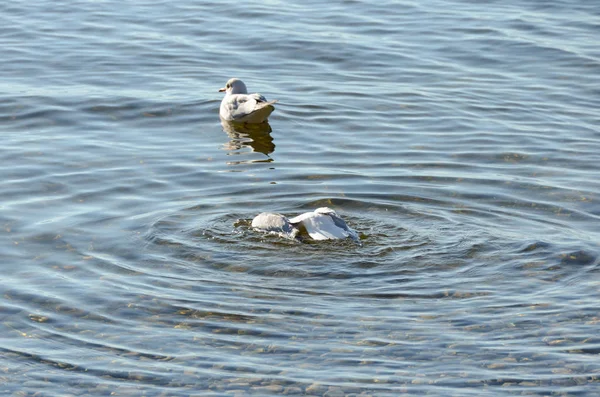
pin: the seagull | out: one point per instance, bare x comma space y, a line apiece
239, 106
321, 224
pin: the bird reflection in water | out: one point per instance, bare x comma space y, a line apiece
254, 136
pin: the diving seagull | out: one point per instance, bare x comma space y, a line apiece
321, 224
239, 106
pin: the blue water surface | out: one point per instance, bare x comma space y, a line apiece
461, 139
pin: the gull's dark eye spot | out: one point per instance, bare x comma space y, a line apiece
228, 85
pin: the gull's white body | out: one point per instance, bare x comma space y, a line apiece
324, 224
321, 224
239, 106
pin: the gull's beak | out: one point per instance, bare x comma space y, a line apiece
222, 89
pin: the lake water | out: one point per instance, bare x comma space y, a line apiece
461, 139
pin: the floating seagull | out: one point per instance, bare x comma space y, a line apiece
242, 107
321, 224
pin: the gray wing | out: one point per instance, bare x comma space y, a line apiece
242, 106
258, 97
339, 222
250, 107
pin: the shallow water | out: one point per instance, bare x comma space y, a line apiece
461, 140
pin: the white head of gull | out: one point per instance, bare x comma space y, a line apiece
239, 106
321, 224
